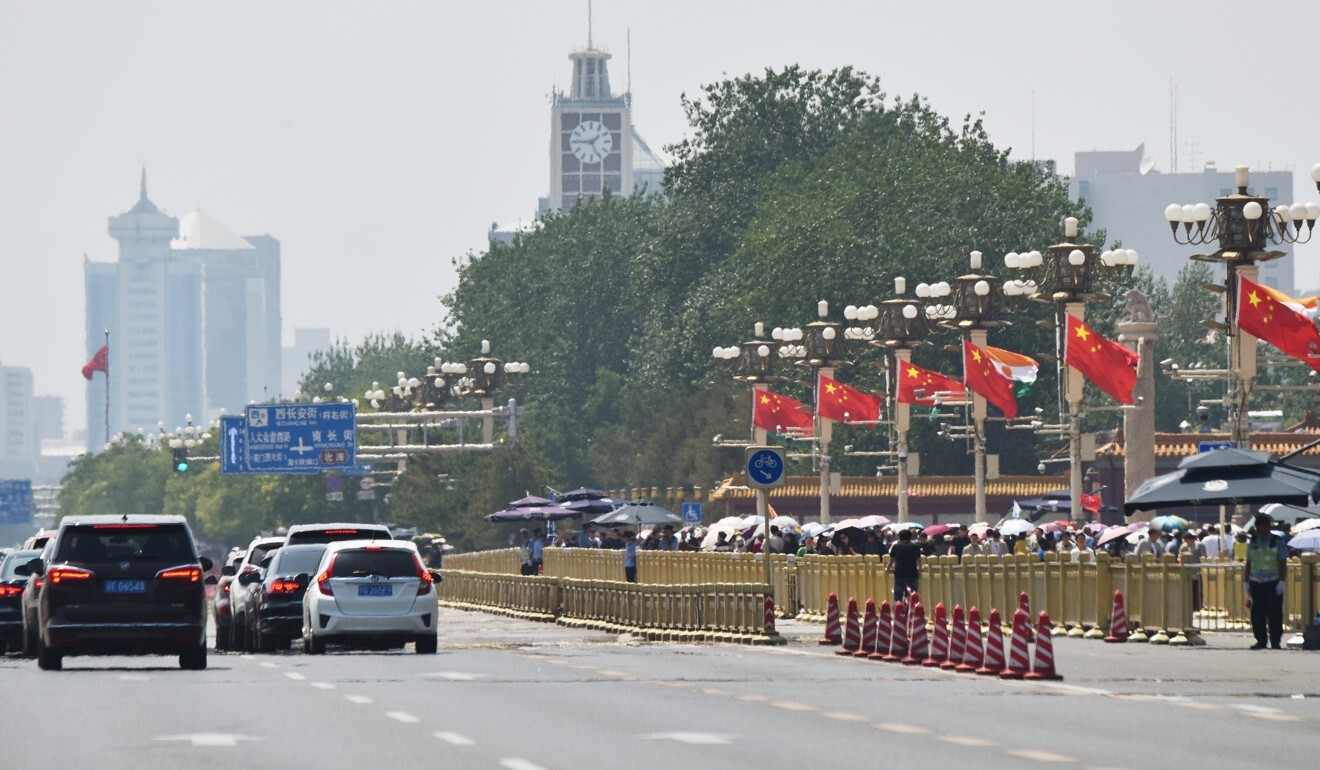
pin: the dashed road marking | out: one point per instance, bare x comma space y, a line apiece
791, 706
361, 700
965, 740
714, 691
455, 676
454, 739
402, 716
268, 664
1040, 756
295, 676
323, 685
519, 764
845, 716
694, 739
1274, 717
901, 729
606, 672
753, 698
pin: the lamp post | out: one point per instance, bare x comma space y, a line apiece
1067, 276
754, 361
1244, 226
903, 327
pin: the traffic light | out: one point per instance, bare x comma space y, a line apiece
180, 459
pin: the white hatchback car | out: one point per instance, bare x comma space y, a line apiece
370, 592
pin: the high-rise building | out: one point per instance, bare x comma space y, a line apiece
193, 317
594, 146
298, 357
1128, 197
18, 435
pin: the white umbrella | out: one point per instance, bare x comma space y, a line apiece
1306, 525
1307, 541
896, 526
1016, 527
728, 525
815, 528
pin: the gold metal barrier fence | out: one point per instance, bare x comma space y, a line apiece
1223, 598
504, 561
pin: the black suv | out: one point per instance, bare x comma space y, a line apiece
122, 585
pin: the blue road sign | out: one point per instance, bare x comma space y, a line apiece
692, 513
358, 469
233, 450
16, 501
1210, 446
764, 466
299, 437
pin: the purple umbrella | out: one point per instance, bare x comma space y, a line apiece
532, 513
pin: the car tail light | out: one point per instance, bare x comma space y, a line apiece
64, 573
10, 591
190, 573
282, 586
424, 586
323, 580
225, 588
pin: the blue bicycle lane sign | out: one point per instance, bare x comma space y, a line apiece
764, 466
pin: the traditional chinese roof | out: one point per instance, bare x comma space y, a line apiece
1187, 444
918, 486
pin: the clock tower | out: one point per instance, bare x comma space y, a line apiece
591, 135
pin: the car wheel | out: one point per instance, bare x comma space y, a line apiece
283, 643
426, 645
264, 642
238, 635
221, 638
4, 646
48, 659
193, 658
314, 645
30, 641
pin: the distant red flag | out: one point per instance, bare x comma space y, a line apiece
99, 363
912, 378
1260, 313
772, 411
982, 376
844, 403
1091, 503
1111, 366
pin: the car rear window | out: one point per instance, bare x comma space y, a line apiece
336, 535
258, 552
129, 542
13, 561
390, 563
289, 562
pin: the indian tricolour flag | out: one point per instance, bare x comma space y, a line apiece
1017, 367
1305, 305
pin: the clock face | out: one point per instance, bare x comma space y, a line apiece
591, 141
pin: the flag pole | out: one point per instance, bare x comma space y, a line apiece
107, 387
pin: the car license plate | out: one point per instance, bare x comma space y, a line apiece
125, 586
376, 590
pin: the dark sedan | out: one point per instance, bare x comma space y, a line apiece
13, 579
276, 616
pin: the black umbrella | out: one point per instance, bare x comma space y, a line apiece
530, 501
593, 505
533, 513
581, 493
639, 512
1227, 477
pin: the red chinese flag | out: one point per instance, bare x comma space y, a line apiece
1259, 312
982, 375
1091, 503
1112, 367
912, 378
99, 363
846, 404
772, 411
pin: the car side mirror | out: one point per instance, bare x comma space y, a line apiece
265, 562
228, 570
36, 567
211, 580
206, 563
248, 578
302, 579
22, 571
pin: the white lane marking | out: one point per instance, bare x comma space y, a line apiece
361, 700
455, 676
133, 677
1253, 709
1040, 756
323, 685
1274, 717
753, 698
210, 739
514, 763
454, 739
605, 672
713, 691
249, 656
965, 740
844, 716
268, 664
695, 739
402, 716
791, 706
295, 676
894, 727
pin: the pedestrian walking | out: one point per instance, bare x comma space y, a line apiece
630, 556
1267, 568
904, 564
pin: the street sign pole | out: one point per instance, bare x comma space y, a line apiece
764, 468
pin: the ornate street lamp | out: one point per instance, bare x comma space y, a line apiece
754, 361
903, 327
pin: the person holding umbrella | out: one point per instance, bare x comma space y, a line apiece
1267, 567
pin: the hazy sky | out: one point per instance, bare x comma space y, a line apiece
378, 140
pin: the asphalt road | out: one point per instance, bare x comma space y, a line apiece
521, 695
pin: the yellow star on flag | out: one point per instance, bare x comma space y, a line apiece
912, 373
830, 389
1254, 298
1083, 333
976, 356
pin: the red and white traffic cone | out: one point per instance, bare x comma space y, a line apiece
898, 645
1018, 655
920, 645
833, 634
868, 631
957, 640
1042, 666
1024, 604
994, 647
852, 634
939, 647
769, 615
1118, 631
884, 633
972, 657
